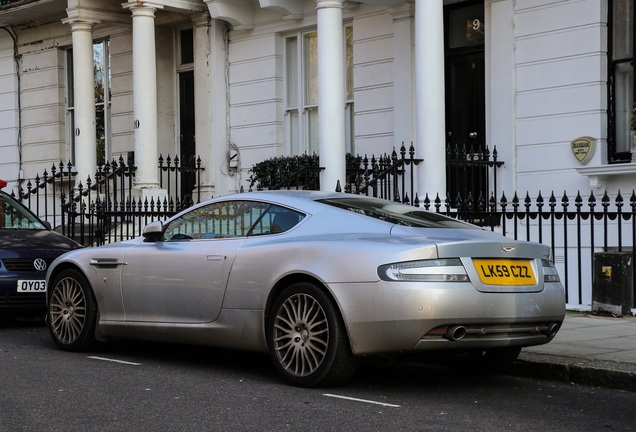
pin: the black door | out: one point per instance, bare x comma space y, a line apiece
187, 147
465, 101
465, 113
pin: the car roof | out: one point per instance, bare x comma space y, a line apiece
310, 195
304, 200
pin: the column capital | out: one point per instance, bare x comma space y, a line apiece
142, 8
325, 4
80, 24
94, 16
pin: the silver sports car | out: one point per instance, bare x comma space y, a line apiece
318, 280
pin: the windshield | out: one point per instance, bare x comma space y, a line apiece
14, 215
396, 213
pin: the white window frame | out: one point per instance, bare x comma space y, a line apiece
105, 104
301, 114
621, 81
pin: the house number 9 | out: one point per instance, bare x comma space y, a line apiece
476, 24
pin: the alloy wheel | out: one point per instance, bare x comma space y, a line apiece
301, 335
67, 310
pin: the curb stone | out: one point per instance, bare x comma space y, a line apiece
587, 372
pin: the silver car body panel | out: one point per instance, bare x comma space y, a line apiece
216, 291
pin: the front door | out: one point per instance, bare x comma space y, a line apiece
465, 100
154, 288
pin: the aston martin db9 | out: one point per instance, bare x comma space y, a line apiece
316, 279
27, 247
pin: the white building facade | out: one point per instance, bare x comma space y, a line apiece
548, 83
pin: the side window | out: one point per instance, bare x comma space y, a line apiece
218, 220
14, 216
276, 220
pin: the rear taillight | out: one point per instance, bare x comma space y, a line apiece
435, 270
550, 273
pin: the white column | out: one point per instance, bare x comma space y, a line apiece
331, 94
429, 94
144, 96
202, 100
403, 75
219, 140
84, 100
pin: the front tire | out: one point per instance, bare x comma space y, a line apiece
72, 312
307, 339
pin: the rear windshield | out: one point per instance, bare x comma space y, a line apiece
14, 216
395, 213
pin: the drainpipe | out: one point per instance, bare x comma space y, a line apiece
16, 58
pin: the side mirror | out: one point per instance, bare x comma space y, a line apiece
153, 231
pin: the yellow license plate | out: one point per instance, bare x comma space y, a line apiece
505, 272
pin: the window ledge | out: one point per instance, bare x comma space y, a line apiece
599, 174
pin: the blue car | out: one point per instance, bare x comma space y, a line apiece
27, 248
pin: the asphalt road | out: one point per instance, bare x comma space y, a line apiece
151, 387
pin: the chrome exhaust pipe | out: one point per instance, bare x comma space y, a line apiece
552, 330
455, 333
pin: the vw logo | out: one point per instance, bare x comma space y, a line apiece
39, 264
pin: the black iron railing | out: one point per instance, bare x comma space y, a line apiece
44, 194
573, 226
104, 209
388, 176
469, 169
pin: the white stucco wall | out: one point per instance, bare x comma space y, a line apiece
255, 89
121, 92
373, 79
560, 94
43, 101
9, 156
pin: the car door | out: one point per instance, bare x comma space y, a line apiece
182, 277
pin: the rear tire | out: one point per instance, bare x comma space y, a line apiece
307, 340
72, 312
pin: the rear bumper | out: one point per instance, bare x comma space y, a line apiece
396, 317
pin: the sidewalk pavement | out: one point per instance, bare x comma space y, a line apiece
589, 350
